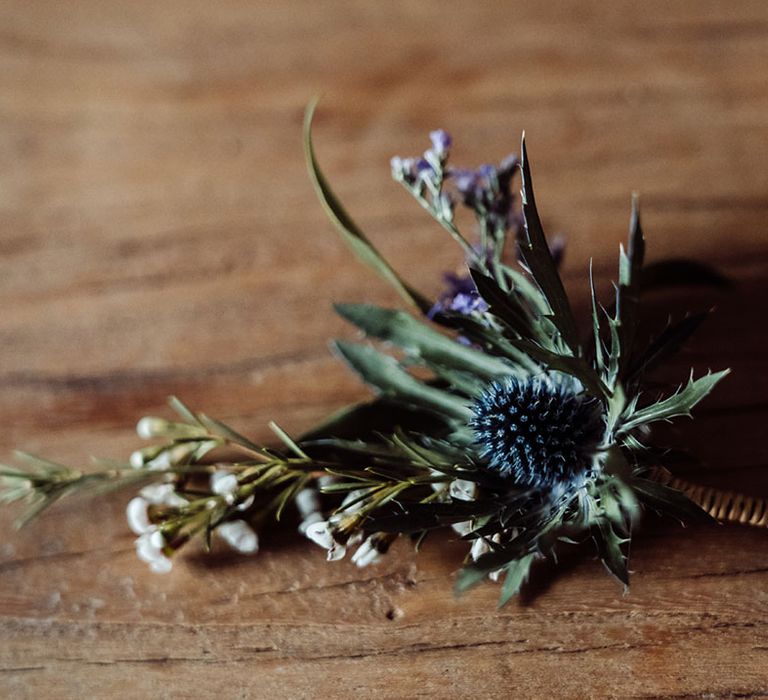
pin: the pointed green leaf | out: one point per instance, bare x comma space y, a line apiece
539, 261
609, 546
387, 376
516, 575
679, 404
576, 366
669, 501
419, 340
596, 329
349, 230
628, 293
505, 306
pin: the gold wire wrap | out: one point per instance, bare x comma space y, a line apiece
725, 506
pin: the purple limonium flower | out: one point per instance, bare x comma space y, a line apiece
461, 296
488, 192
441, 144
410, 170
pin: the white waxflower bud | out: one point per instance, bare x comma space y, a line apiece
479, 547
136, 459
149, 548
240, 536
137, 516
307, 502
463, 490
247, 503
366, 554
353, 498
162, 495
320, 533
223, 483
309, 520
462, 528
151, 427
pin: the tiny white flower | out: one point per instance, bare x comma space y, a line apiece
137, 516
223, 483
309, 520
307, 502
353, 498
161, 462
240, 536
479, 547
162, 495
150, 427
247, 503
463, 490
136, 459
320, 533
149, 548
462, 528
366, 554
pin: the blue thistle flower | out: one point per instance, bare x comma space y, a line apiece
541, 430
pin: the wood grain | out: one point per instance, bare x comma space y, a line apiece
158, 235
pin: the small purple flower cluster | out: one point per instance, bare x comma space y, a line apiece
488, 192
460, 296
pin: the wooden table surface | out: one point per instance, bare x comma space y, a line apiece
158, 235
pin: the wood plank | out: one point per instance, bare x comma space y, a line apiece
158, 235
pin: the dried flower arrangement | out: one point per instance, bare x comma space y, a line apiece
492, 417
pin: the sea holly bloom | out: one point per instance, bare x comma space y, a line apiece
539, 430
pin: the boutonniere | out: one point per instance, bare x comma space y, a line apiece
492, 415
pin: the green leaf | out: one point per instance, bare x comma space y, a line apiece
489, 339
184, 411
596, 328
349, 230
538, 259
679, 404
218, 428
615, 354
516, 575
576, 366
609, 545
498, 558
504, 305
630, 283
385, 374
527, 289
669, 501
419, 340
287, 440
